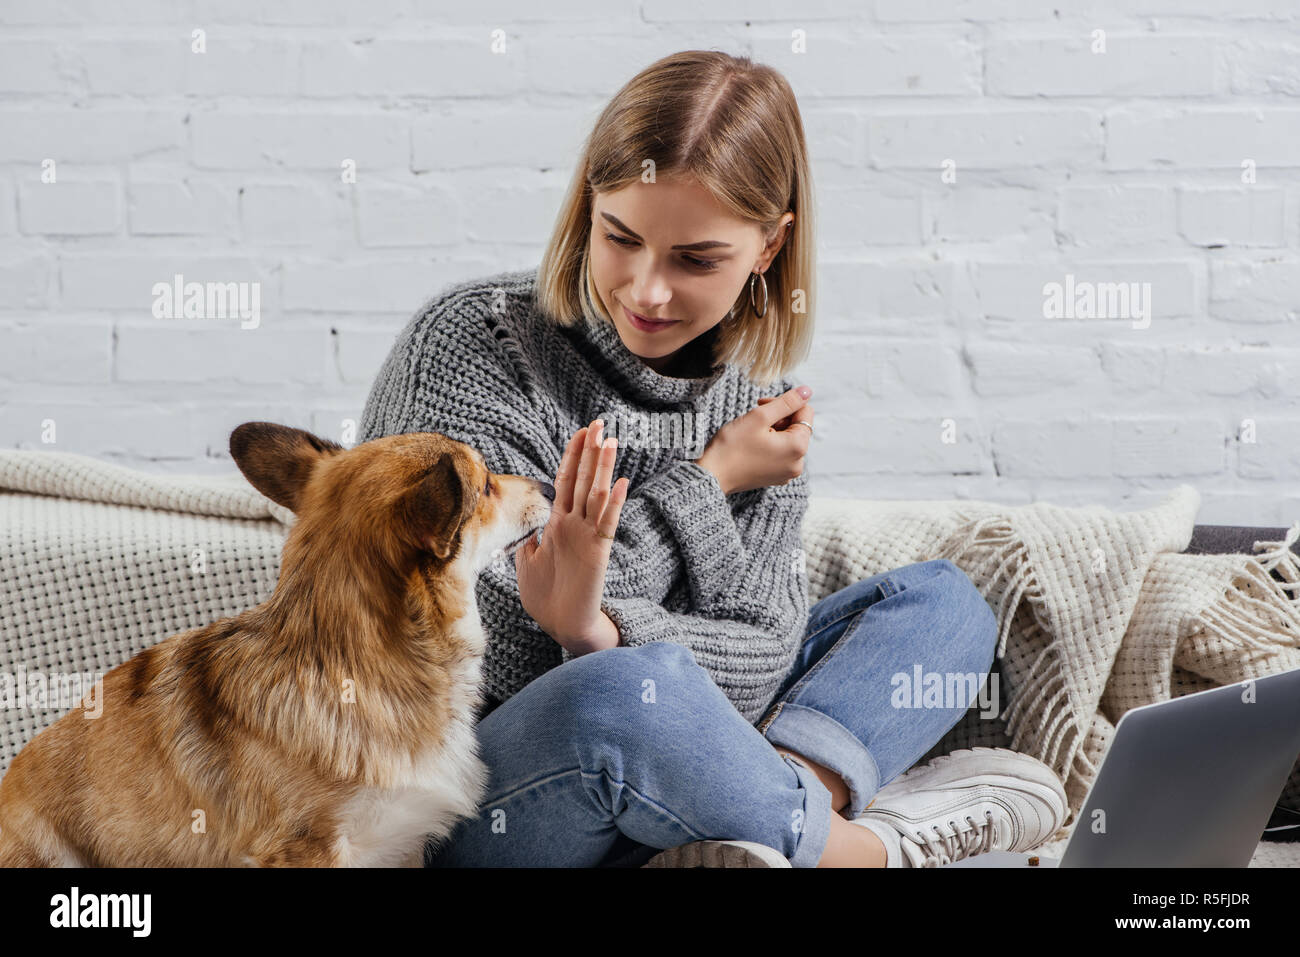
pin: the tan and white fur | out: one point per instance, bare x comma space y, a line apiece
333, 724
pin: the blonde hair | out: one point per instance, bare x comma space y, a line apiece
733, 127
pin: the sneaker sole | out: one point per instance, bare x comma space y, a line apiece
719, 854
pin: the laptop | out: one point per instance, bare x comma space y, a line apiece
1189, 782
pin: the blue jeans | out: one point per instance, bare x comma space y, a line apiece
615, 755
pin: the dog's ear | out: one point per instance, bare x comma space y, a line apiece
277, 459
439, 504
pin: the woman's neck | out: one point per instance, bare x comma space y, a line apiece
692, 361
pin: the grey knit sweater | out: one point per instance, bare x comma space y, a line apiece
721, 574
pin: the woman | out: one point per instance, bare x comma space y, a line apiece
655, 678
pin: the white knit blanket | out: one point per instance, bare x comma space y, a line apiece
1098, 612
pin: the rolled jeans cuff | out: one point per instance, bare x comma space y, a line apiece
821, 738
815, 830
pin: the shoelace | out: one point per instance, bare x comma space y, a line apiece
976, 839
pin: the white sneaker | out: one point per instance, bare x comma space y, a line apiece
966, 803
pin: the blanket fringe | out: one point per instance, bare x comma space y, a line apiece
1086, 767
1278, 556
979, 546
988, 549
1255, 611
1053, 738
1248, 622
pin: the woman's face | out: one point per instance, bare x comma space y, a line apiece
636, 269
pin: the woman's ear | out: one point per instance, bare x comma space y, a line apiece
278, 460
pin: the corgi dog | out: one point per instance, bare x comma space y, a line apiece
332, 725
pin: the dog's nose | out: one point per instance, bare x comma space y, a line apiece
547, 489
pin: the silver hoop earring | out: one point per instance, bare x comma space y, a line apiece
760, 313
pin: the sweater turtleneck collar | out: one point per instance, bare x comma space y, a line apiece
602, 345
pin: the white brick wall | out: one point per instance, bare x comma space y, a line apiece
936, 372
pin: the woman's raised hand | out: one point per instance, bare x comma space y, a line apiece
762, 447
562, 580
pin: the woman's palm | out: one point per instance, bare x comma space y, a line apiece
562, 580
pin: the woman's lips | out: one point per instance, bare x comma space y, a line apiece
643, 325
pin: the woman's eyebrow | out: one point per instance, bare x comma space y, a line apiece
710, 244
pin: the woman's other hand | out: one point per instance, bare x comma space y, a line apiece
762, 447
562, 580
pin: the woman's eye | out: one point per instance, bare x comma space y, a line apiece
698, 263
